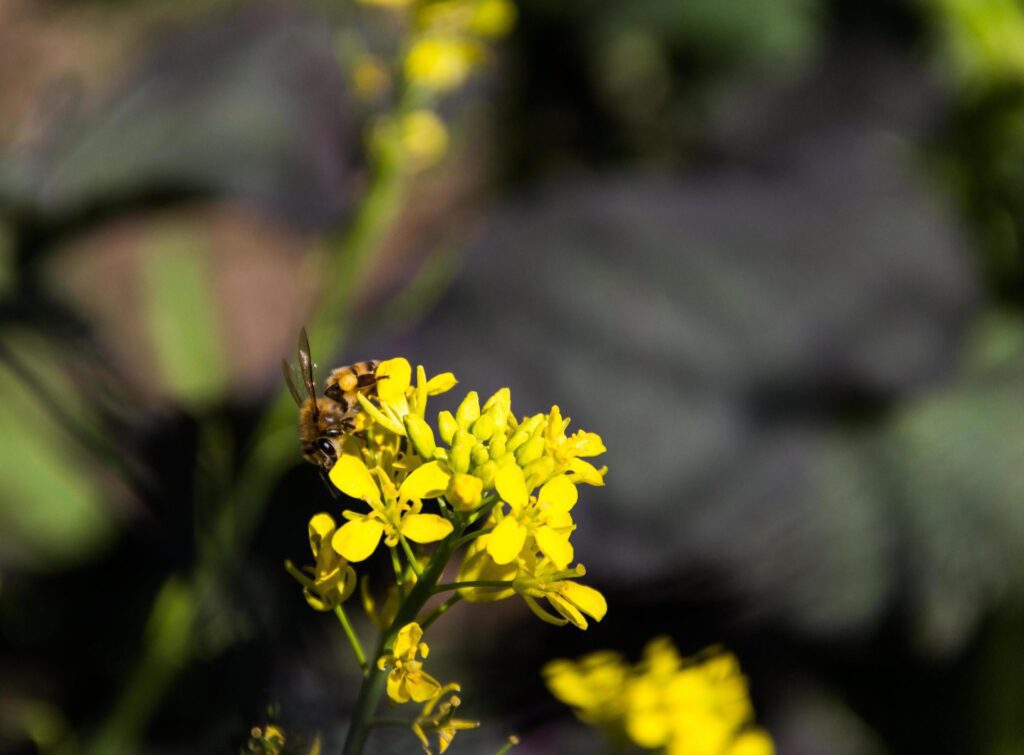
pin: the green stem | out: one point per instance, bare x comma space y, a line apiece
373, 683
411, 556
353, 640
474, 535
397, 568
497, 584
440, 611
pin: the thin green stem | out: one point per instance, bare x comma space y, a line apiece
372, 689
411, 556
439, 611
399, 572
473, 536
497, 584
353, 640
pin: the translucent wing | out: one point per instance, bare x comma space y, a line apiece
306, 368
289, 379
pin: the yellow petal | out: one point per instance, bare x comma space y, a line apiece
422, 686
321, 527
555, 546
428, 481
511, 485
587, 444
506, 541
425, 528
352, 478
407, 640
568, 611
587, 599
478, 566
586, 472
393, 376
396, 687
358, 539
441, 383
559, 493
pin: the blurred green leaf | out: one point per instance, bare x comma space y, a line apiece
52, 501
181, 316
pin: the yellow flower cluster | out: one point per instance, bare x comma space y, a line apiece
684, 706
502, 488
271, 740
519, 478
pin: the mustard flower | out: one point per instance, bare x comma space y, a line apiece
545, 518
539, 578
397, 397
424, 139
406, 679
394, 512
331, 580
441, 721
569, 451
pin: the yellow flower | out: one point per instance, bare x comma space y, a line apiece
424, 139
441, 63
569, 452
397, 397
695, 706
406, 679
570, 599
333, 580
594, 686
394, 512
442, 722
545, 518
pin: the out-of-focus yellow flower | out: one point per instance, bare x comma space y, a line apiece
438, 717
370, 77
424, 139
594, 686
271, 740
696, 706
441, 63
394, 512
406, 679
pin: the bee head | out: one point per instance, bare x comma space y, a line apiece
321, 452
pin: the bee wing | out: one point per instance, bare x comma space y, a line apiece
306, 368
289, 378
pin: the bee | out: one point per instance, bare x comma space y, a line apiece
325, 420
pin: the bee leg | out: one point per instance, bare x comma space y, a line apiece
330, 486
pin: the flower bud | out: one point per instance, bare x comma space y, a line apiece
480, 455
468, 411
462, 447
421, 435
447, 426
532, 450
483, 428
465, 492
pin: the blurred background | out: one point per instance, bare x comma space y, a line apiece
770, 251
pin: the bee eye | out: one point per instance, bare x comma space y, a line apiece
325, 447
